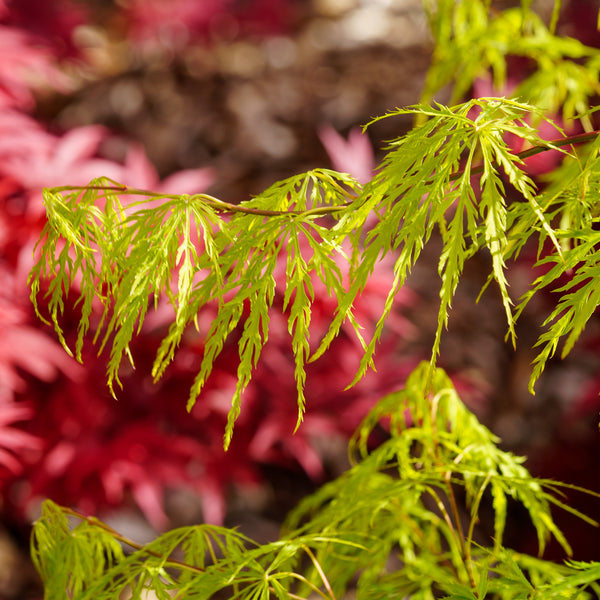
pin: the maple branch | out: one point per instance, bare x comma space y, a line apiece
551, 145
320, 571
210, 200
228, 207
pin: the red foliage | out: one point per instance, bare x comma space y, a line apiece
61, 434
23, 62
354, 155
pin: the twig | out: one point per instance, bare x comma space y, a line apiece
321, 210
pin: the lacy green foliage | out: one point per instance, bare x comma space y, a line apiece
391, 526
56, 547
471, 40
421, 187
189, 562
402, 496
404, 521
572, 200
121, 253
455, 174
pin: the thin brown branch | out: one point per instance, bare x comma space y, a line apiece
210, 200
551, 145
227, 207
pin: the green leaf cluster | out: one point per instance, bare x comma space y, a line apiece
447, 175
572, 270
196, 251
403, 496
455, 175
407, 520
404, 521
474, 40
190, 562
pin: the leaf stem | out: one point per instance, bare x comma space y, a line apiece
319, 569
456, 528
465, 547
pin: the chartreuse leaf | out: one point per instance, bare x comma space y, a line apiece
262, 242
70, 252
120, 258
436, 445
161, 241
299, 287
70, 558
189, 562
474, 41
572, 274
181, 249
578, 301
196, 223
584, 574
421, 187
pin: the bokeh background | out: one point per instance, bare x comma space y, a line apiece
226, 97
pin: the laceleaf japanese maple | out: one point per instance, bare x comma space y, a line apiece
89, 453
450, 176
449, 173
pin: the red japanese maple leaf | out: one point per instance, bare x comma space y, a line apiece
24, 64
15, 442
49, 24
353, 155
70, 157
23, 348
139, 172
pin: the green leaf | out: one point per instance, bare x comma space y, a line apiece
421, 186
127, 255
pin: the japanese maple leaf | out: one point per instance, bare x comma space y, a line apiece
50, 23
41, 160
25, 349
69, 158
15, 442
100, 467
22, 65
176, 23
171, 21
146, 461
353, 155
20, 137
